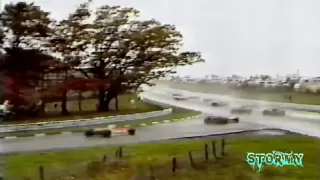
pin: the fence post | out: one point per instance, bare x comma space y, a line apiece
174, 164
151, 174
191, 159
41, 173
206, 154
214, 153
117, 153
104, 159
223, 144
2, 165
120, 152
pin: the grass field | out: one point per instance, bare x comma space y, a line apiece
176, 114
276, 96
233, 167
89, 109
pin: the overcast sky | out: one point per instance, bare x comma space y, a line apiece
244, 37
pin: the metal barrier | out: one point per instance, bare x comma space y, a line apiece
81, 122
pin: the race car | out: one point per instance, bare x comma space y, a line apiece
274, 112
218, 104
207, 100
180, 98
241, 110
220, 120
193, 97
108, 132
176, 94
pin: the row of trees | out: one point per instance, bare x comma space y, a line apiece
110, 46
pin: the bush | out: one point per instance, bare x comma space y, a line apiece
308, 91
20, 112
94, 168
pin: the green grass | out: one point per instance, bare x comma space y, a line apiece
89, 109
274, 96
176, 114
159, 154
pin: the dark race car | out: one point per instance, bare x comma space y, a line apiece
241, 110
220, 120
180, 98
274, 112
108, 132
218, 104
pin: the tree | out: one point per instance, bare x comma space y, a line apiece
70, 41
2, 36
130, 52
25, 28
25, 25
23, 69
74, 84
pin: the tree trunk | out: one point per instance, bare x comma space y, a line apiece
110, 96
80, 101
113, 91
101, 98
107, 103
64, 110
117, 103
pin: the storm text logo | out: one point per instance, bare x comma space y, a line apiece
277, 158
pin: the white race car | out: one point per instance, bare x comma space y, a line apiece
108, 132
207, 100
176, 94
241, 110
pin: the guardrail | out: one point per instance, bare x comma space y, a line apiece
291, 106
165, 105
81, 122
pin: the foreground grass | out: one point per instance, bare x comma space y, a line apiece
275, 96
141, 156
89, 107
176, 114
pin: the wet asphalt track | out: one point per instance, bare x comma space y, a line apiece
305, 126
144, 134
160, 132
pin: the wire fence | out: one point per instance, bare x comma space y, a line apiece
211, 153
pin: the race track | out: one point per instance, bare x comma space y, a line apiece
164, 131
307, 126
144, 134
